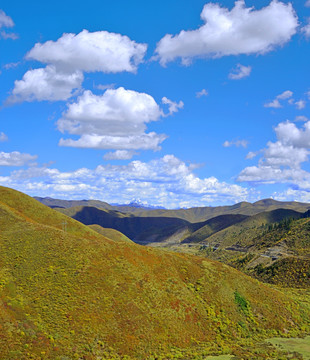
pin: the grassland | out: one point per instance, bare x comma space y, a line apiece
68, 292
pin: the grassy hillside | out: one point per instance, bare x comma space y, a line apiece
109, 233
272, 246
212, 226
288, 244
76, 294
242, 234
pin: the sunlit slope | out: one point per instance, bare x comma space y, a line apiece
212, 226
288, 244
80, 295
243, 233
32, 211
109, 233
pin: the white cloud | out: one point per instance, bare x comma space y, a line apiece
300, 104
90, 52
5, 20
293, 195
237, 143
238, 31
115, 120
69, 57
273, 104
281, 154
3, 137
286, 95
289, 134
251, 155
307, 3
119, 155
166, 181
15, 158
172, 106
45, 84
282, 160
240, 72
149, 141
201, 93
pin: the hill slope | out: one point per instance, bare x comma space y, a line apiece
142, 230
76, 294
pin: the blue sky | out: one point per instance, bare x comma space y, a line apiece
178, 103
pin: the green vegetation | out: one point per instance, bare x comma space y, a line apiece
68, 292
243, 304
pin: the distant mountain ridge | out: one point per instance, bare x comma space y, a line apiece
137, 203
193, 215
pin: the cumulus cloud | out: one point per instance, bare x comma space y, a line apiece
240, 72
69, 57
286, 95
90, 52
237, 143
172, 106
3, 137
45, 84
201, 93
119, 155
166, 181
15, 158
114, 120
292, 195
282, 160
237, 31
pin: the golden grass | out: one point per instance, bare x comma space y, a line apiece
76, 294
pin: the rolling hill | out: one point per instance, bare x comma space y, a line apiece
141, 230
68, 292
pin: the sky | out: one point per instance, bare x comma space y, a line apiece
176, 103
